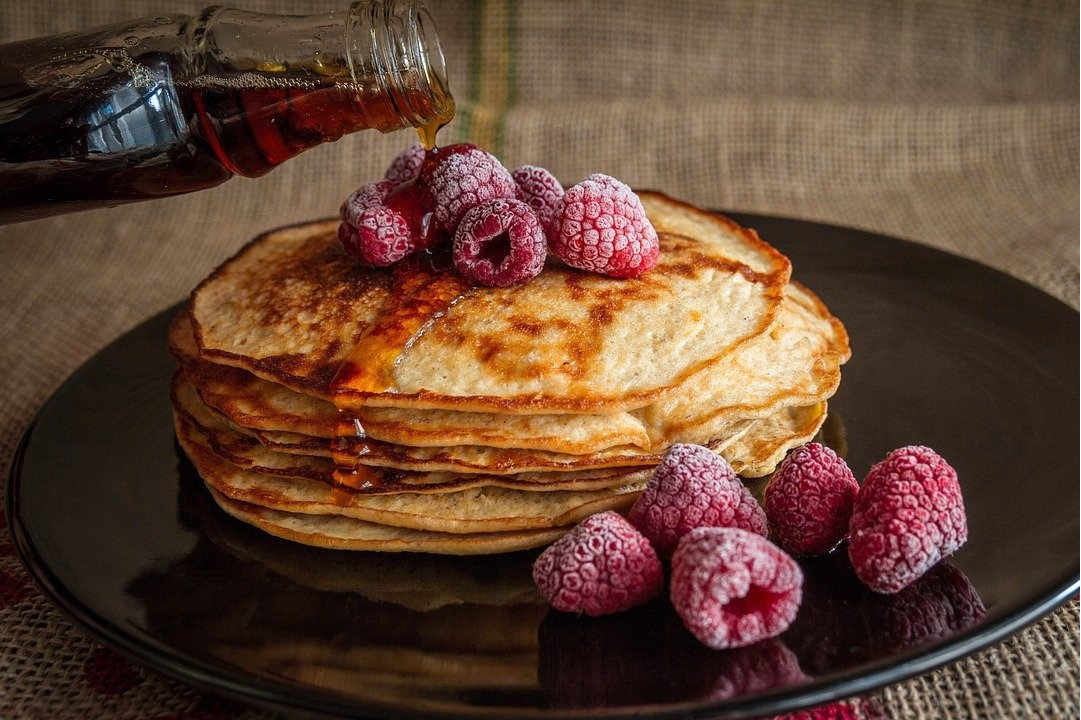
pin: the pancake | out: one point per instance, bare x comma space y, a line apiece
345, 533
796, 363
399, 409
293, 308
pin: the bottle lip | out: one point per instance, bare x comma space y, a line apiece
399, 39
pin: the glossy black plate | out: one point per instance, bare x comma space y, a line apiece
119, 533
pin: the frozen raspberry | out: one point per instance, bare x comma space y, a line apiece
461, 178
693, 487
808, 501
541, 190
406, 166
414, 202
601, 566
499, 243
732, 587
381, 237
908, 515
602, 227
363, 198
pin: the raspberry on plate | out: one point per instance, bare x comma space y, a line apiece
808, 501
732, 587
499, 243
602, 227
541, 190
381, 237
603, 565
462, 177
908, 515
406, 165
693, 487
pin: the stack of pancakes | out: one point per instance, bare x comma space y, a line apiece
401, 409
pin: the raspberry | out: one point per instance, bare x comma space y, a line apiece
808, 501
406, 166
414, 202
381, 237
908, 515
732, 587
541, 190
363, 198
499, 243
602, 227
693, 487
601, 566
461, 178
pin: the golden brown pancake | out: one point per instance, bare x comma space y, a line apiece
293, 308
400, 409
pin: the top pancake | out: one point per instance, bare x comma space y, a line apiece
293, 308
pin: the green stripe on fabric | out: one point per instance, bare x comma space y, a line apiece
492, 74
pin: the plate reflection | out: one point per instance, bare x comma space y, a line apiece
472, 632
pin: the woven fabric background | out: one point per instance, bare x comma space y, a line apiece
949, 122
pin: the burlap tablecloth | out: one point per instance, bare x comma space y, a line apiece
949, 122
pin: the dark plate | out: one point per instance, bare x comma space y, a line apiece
117, 531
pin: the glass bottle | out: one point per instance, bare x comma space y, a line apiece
171, 104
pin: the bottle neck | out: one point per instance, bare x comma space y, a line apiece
268, 87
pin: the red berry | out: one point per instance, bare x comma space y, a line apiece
603, 565
541, 190
439, 154
809, 499
363, 198
461, 178
499, 243
382, 237
908, 515
693, 487
406, 165
414, 202
602, 227
732, 587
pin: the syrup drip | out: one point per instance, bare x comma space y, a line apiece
369, 369
421, 295
426, 293
429, 130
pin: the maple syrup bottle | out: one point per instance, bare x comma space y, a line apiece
173, 104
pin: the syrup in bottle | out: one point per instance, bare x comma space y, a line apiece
172, 104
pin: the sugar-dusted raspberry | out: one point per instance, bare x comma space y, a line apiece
732, 587
693, 487
499, 243
602, 227
406, 165
602, 565
414, 202
808, 500
365, 197
462, 177
908, 515
541, 190
381, 237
